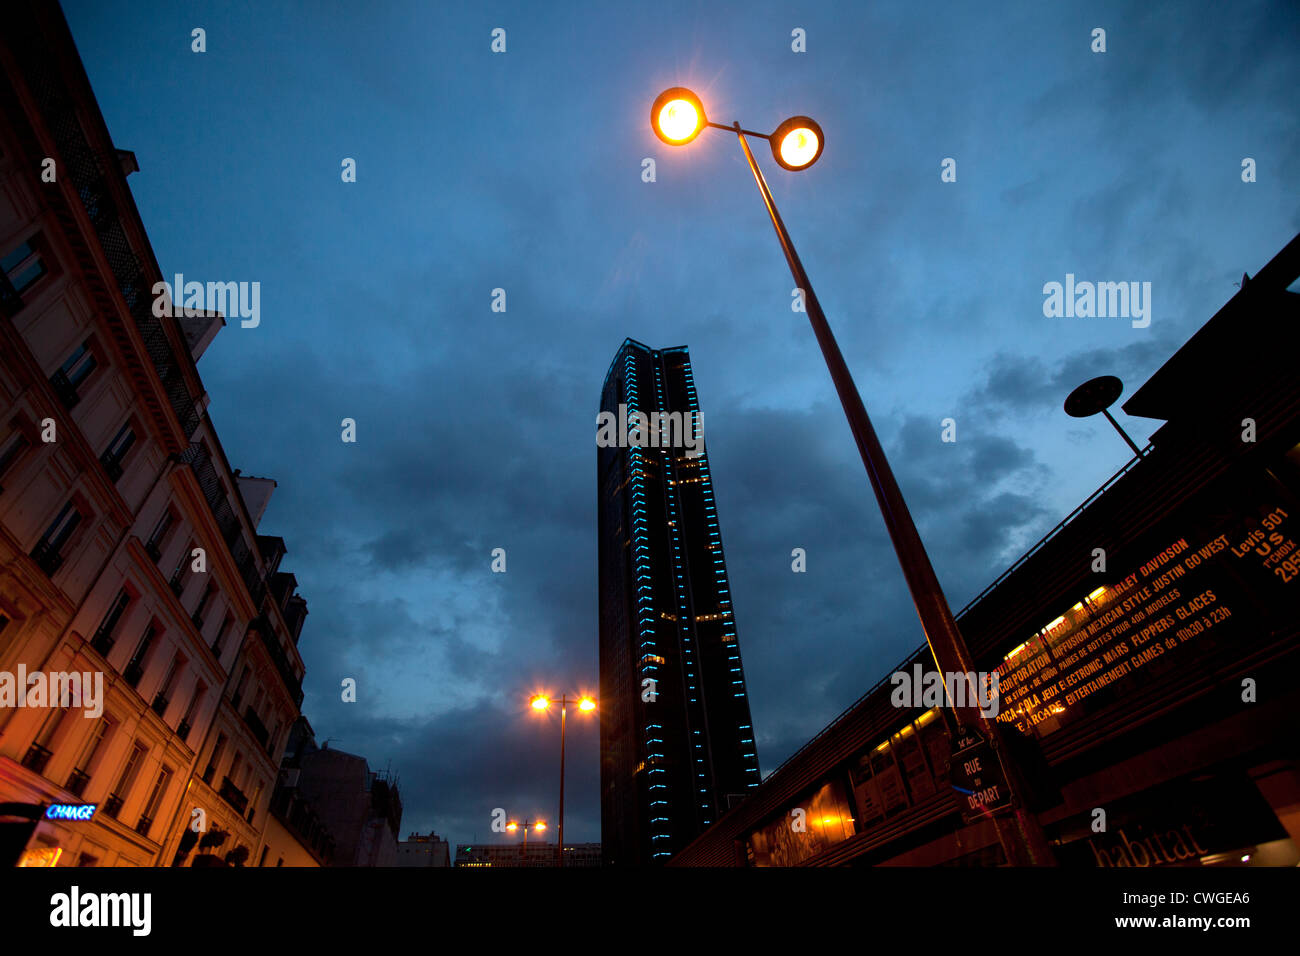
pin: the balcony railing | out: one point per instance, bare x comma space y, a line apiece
85, 169
103, 642
143, 826
256, 726
177, 583
134, 671
207, 774
233, 796
291, 683
155, 553
64, 389
47, 558
111, 465
77, 781
159, 704
183, 731
113, 805
197, 620
36, 758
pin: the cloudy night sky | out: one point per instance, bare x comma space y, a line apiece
522, 170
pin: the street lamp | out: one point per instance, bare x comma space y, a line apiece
538, 825
677, 117
585, 704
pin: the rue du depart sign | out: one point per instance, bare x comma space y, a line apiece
976, 775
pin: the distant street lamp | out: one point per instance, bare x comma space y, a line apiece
677, 117
538, 825
585, 704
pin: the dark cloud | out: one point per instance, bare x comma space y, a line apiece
475, 427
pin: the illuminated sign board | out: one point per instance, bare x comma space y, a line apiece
41, 856
70, 811
1222, 569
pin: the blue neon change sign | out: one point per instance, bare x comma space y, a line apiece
70, 811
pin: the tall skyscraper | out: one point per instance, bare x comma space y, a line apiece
676, 739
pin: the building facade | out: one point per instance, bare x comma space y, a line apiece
1145, 650
535, 854
676, 738
360, 809
423, 850
129, 550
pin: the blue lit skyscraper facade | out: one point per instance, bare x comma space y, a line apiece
677, 741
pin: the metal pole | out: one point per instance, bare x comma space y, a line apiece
1122, 434
1021, 837
564, 707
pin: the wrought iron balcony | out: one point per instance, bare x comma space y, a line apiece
76, 784
111, 465
113, 805
177, 583
256, 726
183, 731
64, 389
155, 553
233, 796
85, 171
143, 826
47, 558
103, 642
159, 704
134, 671
36, 758
291, 682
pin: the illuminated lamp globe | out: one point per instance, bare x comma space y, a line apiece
677, 116
797, 143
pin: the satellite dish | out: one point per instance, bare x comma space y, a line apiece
1093, 396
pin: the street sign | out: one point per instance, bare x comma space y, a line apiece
976, 775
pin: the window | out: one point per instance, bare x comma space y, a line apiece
155, 798
235, 764
12, 449
90, 756
197, 616
42, 748
252, 804
158, 536
226, 624
48, 551
86, 859
135, 669
125, 780
215, 758
164, 694
106, 636
72, 373
181, 575
239, 688
23, 266
116, 451
187, 722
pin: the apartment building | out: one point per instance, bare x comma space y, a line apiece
129, 548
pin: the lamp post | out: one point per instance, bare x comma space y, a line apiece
677, 117
542, 703
538, 825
